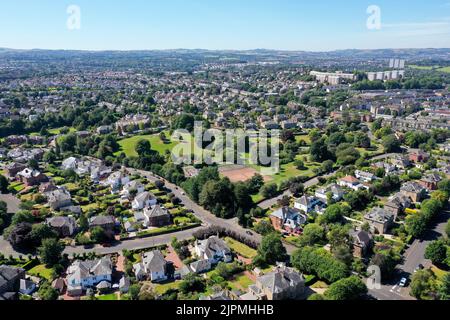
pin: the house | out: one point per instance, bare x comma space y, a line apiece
365, 176
143, 200
351, 183
401, 162
288, 219
59, 198
281, 284
308, 204
27, 287
64, 226
46, 188
116, 180
156, 216
213, 249
430, 181
69, 163
31, 177
133, 187
59, 285
362, 242
419, 156
200, 266
219, 296
397, 204
82, 275
124, 284
107, 223
104, 129
379, 219
153, 267
10, 281
13, 169
414, 191
335, 190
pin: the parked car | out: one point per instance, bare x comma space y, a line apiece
403, 282
419, 267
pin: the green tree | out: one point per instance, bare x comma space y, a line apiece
51, 251
46, 292
423, 285
351, 288
390, 143
4, 184
271, 250
436, 252
313, 234
143, 148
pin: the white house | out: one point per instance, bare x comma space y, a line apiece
143, 200
82, 275
152, 267
351, 183
213, 249
364, 176
130, 187
335, 190
116, 180
308, 204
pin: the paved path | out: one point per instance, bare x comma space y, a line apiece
12, 201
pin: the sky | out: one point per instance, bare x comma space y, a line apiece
313, 25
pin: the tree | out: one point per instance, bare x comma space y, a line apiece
46, 292
333, 214
4, 184
416, 225
444, 290
436, 252
269, 190
297, 188
271, 250
386, 261
264, 227
351, 288
143, 148
312, 234
255, 183
99, 235
134, 291
390, 143
319, 151
192, 283
423, 284
51, 251
447, 229
19, 236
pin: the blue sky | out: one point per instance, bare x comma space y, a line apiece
313, 25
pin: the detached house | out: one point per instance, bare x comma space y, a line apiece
309, 204
430, 181
82, 275
116, 180
365, 176
107, 223
397, 204
143, 200
419, 156
288, 219
156, 216
380, 220
31, 177
414, 191
132, 187
335, 190
281, 284
10, 278
153, 267
13, 169
64, 226
351, 183
59, 198
214, 250
362, 243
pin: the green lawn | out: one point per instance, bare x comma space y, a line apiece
446, 69
163, 288
110, 297
241, 248
41, 271
241, 282
305, 138
128, 145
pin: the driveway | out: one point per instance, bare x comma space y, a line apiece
12, 202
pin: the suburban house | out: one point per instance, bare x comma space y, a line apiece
397, 204
46, 188
380, 219
12, 169
153, 267
64, 226
59, 198
288, 219
401, 162
365, 176
107, 223
362, 242
309, 204
82, 275
116, 180
430, 181
200, 266
156, 216
143, 200
10, 281
133, 187
414, 190
351, 183
419, 156
283, 283
213, 249
31, 177
335, 190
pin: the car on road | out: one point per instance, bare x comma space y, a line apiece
249, 233
403, 282
183, 193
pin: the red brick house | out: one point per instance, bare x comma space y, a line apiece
419, 156
32, 177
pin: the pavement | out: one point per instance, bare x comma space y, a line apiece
11, 201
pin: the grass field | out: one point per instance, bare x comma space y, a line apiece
108, 297
241, 248
163, 288
41, 271
446, 69
240, 282
128, 145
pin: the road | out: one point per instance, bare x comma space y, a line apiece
266, 204
413, 256
11, 201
